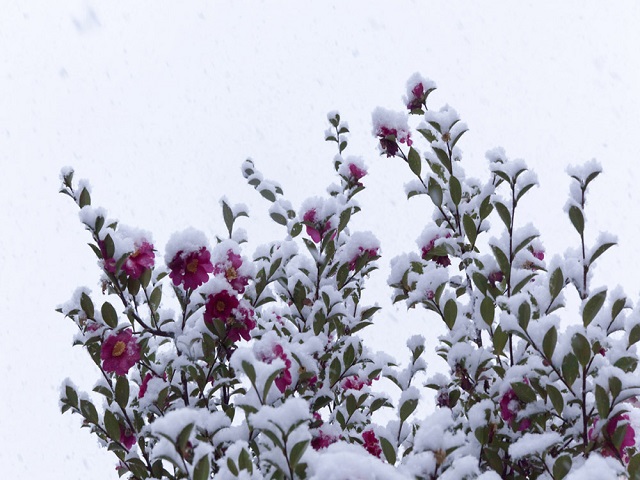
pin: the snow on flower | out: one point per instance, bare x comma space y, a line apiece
140, 260
120, 352
390, 127
510, 405
353, 169
371, 443
317, 216
609, 449
230, 268
427, 242
418, 88
127, 437
283, 380
188, 257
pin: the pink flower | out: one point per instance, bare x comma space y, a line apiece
317, 230
389, 139
283, 380
220, 305
120, 352
417, 97
240, 325
356, 172
144, 385
191, 268
510, 405
139, 261
230, 271
629, 440
108, 263
369, 252
371, 443
442, 260
495, 277
538, 254
354, 383
322, 440
127, 437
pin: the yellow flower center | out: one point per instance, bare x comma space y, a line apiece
232, 273
118, 348
192, 266
220, 306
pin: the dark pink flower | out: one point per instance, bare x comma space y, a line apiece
370, 252
108, 263
417, 97
629, 439
510, 405
229, 269
356, 172
120, 352
495, 277
322, 440
442, 260
191, 269
144, 385
538, 254
355, 383
220, 305
283, 380
371, 443
140, 260
127, 437
240, 325
318, 228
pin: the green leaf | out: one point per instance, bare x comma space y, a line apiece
455, 189
250, 371
85, 198
556, 398
615, 386
602, 402
109, 315
87, 305
570, 368
278, 218
501, 258
549, 342
443, 157
617, 307
227, 215
524, 392
111, 425
89, 412
201, 471
388, 451
487, 310
470, 228
232, 467
561, 467
407, 408
450, 313
524, 190
297, 451
524, 315
183, 437
480, 281
156, 297
349, 356
626, 364
428, 134
600, 250
122, 391
581, 348
633, 468
634, 334
524, 243
556, 283
109, 247
71, 395
520, 285
486, 207
482, 434
268, 194
500, 338
415, 162
503, 211
435, 192
345, 216
592, 307
577, 219
244, 461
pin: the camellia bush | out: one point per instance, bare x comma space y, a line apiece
219, 363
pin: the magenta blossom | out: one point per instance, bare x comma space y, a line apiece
495, 277
108, 263
191, 269
140, 260
389, 139
318, 229
370, 252
240, 325
120, 352
629, 439
220, 305
322, 440
229, 269
127, 437
510, 405
283, 380
356, 172
371, 443
442, 260
355, 383
417, 97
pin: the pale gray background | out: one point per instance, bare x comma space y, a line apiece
158, 104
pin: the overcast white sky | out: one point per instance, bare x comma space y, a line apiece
158, 104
